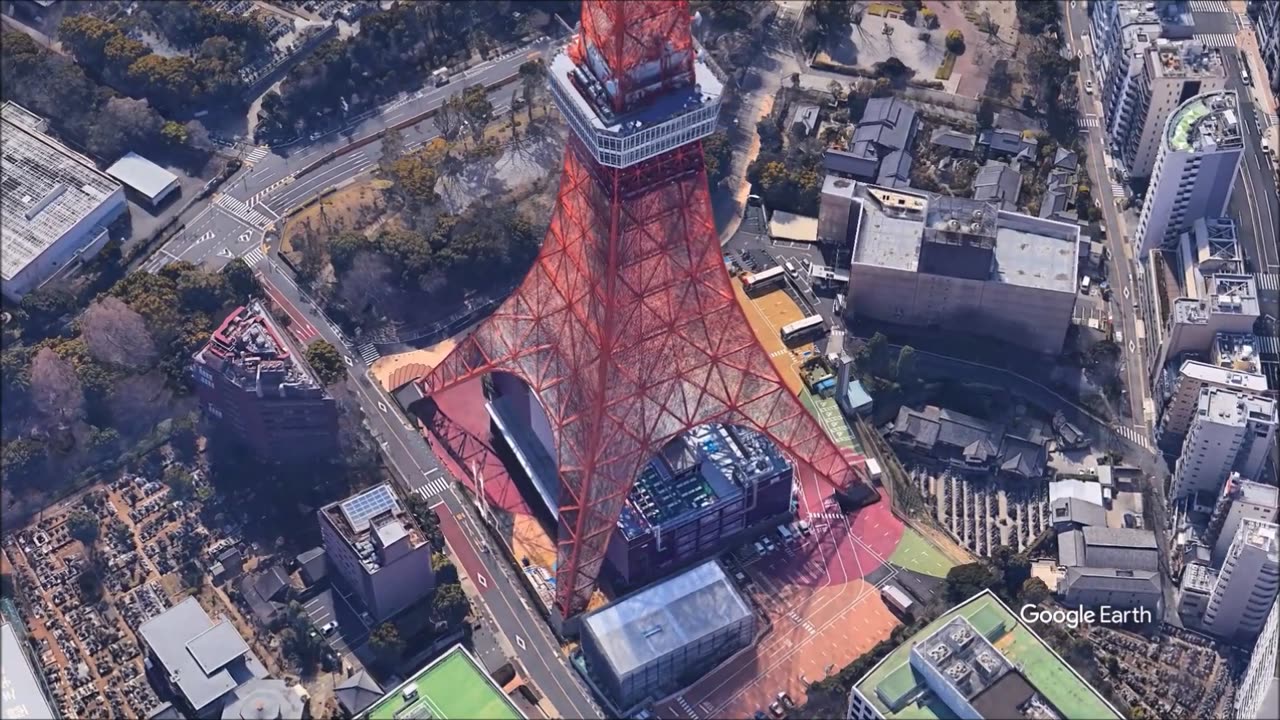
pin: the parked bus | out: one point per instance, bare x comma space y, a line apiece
752, 282
802, 329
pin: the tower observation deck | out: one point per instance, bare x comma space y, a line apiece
626, 328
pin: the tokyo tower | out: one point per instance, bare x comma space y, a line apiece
626, 328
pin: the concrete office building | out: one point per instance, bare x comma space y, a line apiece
1182, 395
1266, 23
1120, 32
963, 266
1241, 500
1247, 583
1227, 304
1173, 72
374, 544
55, 205
1258, 697
251, 382
1194, 169
978, 660
640, 647
1231, 432
209, 670
704, 490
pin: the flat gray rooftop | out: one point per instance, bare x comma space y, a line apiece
142, 175
22, 689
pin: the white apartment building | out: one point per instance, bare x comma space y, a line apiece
373, 543
1226, 304
1183, 396
1172, 73
1193, 170
1266, 23
1230, 432
1258, 697
1241, 500
1247, 583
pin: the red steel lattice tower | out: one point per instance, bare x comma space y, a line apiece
627, 328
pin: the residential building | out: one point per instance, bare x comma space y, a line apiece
25, 693
149, 182
641, 647
55, 205
1121, 32
804, 120
1104, 547
699, 495
998, 183
1227, 304
1241, 500
963, 266
1266, 24
454, 685
373, 543
250, 382
955, 141
1247, 583
880, 150
208, 669
1117, 588
978, 660
967, 444
1193, 169
357, 693
1007, 143
1258, 697
1173, 72
1231, 431
1182, 394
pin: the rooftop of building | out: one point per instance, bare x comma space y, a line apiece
372, 521
1029, 251
1240, 489
249, 349
1206, 123
1086, 490
1117, 580
1229, 407
1185, 59
1237, 352
46, 189
980, 443
204, 660
263, 699
1259, 534
1021, 652
1223, 295
1198, 578
1164, 13
451, 686
1225, 376
661, 618
142, 175
954, 139
999, 183
1077, 511
589, 92
23, 689
710, 463
1120, 538
1208, 248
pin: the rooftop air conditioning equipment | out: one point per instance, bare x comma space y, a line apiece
953, 225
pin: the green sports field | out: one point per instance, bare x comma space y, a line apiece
453, 687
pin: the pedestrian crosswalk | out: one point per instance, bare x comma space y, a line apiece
1090, 121
1267, 281
1117, 189
1133, 436
241, 211
254, 256
261, 196
257, 154
684, 705
1218, 40
433, 488
1210, 6
369, 353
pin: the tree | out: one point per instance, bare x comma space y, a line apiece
326, 361
242, 284
23, 461
55, 387
392, 149
386, 644
450, 603
117, 335
965, 581
986, 114
907, 370
955, 42
717, 154
174, 133
182, 486
364, 284
446, 573
532, 78
427, 520
1033, 591
83, 526
124, 123
446, 118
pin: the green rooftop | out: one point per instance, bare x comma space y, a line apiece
895, 681
453, 686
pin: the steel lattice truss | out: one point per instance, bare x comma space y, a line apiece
633, 34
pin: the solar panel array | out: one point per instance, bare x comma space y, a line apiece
368, 505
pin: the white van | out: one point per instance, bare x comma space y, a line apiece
1084, 285
785, 533
791, 268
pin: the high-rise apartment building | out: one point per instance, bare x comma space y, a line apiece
1266, 23
1247, 582
1230, 432
1194, 168
1226, 304
1233, 364
1172, 73
251, 383
1241, 500
377, 548
1259, 695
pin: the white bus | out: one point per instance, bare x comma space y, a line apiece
801, 329
751, 282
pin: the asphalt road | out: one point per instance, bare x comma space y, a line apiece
501, 596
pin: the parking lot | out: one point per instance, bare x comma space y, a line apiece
332, 605
819, 594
